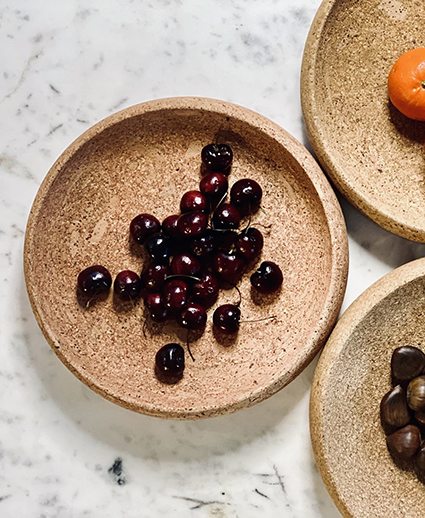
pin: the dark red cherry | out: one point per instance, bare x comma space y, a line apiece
94, 280
214, 185
228, 267
206, 291
225, 240
192, 224
203, 246
144, 226
193, 317
169, 227
193, 201
169, 360
226, 318
246, 194
226, 216
159, 248
154, 303
217, 157
154, 276
185, 264
267, 278
176, 295
127, 285
249, 243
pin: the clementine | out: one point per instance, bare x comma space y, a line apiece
406, 84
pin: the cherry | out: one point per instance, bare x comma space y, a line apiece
144, 226
203, 246
155, 304
226, 216
159, 248
226, 318
249, 243
214, 185
185, 264
217, 157
192, 224
169, 227
206, 291
246, 194
94, 280
225, 240
127, 285
267, 278
193, 316
169, 360
176, 294
193, 201
228, 266
154, 276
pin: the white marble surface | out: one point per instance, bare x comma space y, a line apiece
65, 65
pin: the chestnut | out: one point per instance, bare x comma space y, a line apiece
407, 362
394, 409
416, 394
404, 443
420, 457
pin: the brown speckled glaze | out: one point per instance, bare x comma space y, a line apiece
142, 159
352, 376
373, 153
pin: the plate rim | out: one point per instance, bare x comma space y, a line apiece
331, 209
360, 201
353, 315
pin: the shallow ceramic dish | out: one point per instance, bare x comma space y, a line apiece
352, 376
374, 155
143, 159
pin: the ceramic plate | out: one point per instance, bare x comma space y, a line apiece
143, 159
373, 154
352, 376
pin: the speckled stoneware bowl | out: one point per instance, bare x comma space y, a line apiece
143, 159
352, 376
372, 153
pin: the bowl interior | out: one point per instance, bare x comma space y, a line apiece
352, 377
143, 161
373, 153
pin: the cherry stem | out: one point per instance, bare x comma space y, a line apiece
239, 293
257, 320
249, 222
188, 346
215, 208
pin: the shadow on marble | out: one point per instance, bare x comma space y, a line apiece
149, 437
325, 502
385, 246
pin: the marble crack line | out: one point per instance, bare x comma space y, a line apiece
54, 129
200, 503
261, 494
24, 73
280, 479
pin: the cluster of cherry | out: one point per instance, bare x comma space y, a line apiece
192, 255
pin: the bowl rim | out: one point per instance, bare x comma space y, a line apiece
354, 314
328, 200
360, 200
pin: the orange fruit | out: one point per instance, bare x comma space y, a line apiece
406, 84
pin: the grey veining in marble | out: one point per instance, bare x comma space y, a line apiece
64, 451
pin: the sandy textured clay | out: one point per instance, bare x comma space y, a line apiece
142, 160
373, 153
352, 376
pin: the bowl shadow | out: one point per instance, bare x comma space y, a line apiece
161, 439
